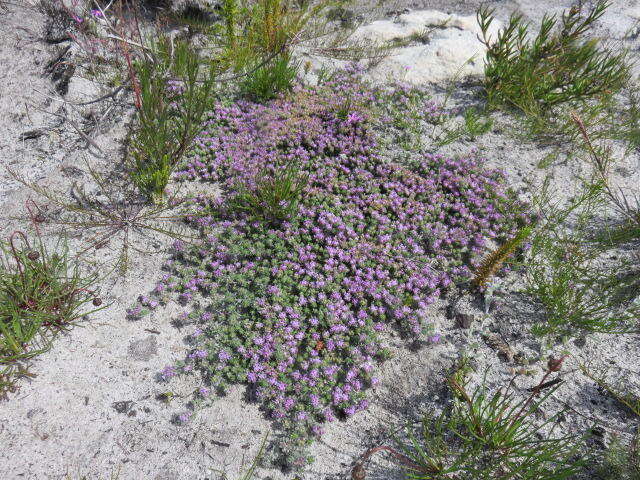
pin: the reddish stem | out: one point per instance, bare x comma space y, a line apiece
16, 255
33, 216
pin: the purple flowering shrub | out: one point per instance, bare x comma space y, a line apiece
297, 309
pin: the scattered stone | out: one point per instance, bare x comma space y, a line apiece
521, 359
453, 47
143, 350
463, 309
580, 342
465, 320
123, 406
31, 134
498, 344
33, 411
220, 444
71, 171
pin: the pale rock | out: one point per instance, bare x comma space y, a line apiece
452, 48
83, 90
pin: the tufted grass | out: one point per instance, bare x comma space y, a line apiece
482, 435
42, 293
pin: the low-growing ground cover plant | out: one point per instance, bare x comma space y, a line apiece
42, 292
297, 308
267, 81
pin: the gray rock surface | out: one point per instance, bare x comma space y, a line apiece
439, 47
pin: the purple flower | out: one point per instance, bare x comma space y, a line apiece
372, 243
223, 356
168, 372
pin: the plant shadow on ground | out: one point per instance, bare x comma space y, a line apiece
393, 412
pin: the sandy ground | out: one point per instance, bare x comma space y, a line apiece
92, 409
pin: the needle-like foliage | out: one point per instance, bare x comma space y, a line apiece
559, 64
175, 92
565, 274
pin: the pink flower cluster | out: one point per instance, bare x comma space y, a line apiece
298, 310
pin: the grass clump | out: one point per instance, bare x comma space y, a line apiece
270, 79
300, 304
486, 436
620, 462
275, 196
41, 294
558, 65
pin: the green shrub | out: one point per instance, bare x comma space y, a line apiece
556, 66
174, 93
566, 275
257, 38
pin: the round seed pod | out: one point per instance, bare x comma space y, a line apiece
97, 301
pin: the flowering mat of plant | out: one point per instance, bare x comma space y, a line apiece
296, 305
